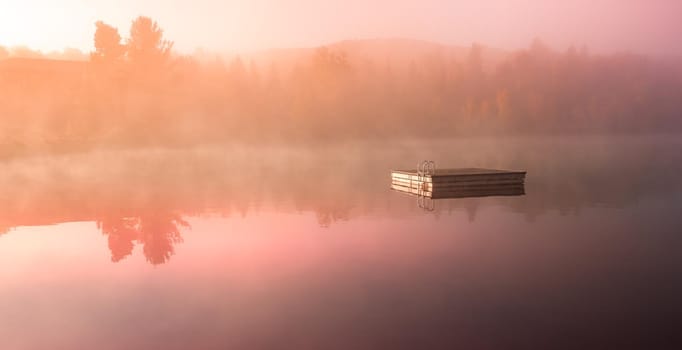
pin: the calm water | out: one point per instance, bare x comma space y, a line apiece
307, 248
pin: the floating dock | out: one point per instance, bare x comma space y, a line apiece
458, 183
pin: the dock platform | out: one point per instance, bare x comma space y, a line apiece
458, 182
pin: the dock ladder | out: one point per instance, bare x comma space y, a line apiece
425, 169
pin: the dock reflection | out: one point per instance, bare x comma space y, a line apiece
146, 198
427, 199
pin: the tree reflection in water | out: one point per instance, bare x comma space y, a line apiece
157, 233
139, 197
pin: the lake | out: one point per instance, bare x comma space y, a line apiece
306, 247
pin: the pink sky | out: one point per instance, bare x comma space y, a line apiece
650, 26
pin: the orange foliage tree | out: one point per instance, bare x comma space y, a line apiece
108, 45
146, 44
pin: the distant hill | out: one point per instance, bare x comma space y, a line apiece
399, 53
396, 52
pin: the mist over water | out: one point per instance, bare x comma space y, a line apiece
155, 200
256, 243
353, 175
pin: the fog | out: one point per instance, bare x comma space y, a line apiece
136, 91
157, 196
606, 26
148, 196
151, 136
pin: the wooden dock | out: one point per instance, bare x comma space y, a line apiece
458, 183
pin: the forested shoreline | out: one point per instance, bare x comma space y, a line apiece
138, 92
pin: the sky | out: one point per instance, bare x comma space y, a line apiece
643, 26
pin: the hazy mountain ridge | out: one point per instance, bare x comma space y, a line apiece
354, 89
393, 52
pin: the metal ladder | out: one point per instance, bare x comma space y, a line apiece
425, 169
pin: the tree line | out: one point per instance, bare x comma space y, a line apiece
137, 91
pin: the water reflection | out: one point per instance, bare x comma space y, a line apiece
156, 232
145, 197
427, 200
297, 249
